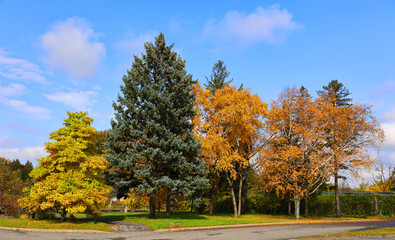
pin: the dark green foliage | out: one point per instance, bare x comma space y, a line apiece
218, 77
340, 92
358, 205
24, 169
151, 145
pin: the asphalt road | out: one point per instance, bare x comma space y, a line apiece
247, 233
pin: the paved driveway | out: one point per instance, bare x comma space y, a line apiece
247, 233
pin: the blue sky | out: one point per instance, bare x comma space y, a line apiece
70, 55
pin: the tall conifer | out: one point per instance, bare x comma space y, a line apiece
151, 145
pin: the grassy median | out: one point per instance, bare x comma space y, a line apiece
383, 232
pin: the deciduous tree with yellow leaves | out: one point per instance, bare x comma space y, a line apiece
229, 125
71, 178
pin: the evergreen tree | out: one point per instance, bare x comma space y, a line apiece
218, 77
151, 145
337, 92
24, 169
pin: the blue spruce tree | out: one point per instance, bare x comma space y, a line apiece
151, 145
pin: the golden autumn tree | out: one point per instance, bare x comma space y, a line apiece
229, 124
351, 134
292, 162
71, 178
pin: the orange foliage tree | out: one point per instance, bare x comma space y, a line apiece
351, 133
292, 163
229, 124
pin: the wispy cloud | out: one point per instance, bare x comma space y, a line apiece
135, 44
16, 68
79, 100
23, 128
6, 142
24, 154
73, 47
270, 25
28, 111
13, 89
387, 87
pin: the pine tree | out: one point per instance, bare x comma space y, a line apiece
71, 178
337, 93
218, 77
151, 145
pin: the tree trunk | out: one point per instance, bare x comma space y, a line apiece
168, 204
297, 208
376, 207
337, 202
63, 215
289, 207
159, 206
212, 198
152, 200
232, 190
306, 207
240, 192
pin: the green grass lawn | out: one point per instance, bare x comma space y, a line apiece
179, 219
383, 231
53, 224
186, 219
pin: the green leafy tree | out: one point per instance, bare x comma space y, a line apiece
151, 145
71, 178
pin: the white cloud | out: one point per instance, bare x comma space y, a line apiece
269, 25
28, 111
73, 47
27, 153
389, 116
16, 68
13, 89
81, 100
389, 130
135, 44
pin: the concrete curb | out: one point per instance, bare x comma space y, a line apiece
52, 230
263, 224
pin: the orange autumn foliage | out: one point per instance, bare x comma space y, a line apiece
292, 163
229, 125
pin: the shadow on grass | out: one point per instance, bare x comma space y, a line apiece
144, 215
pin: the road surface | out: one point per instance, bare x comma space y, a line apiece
245, 233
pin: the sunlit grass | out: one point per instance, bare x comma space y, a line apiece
383, 231
53, 224
186, 219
